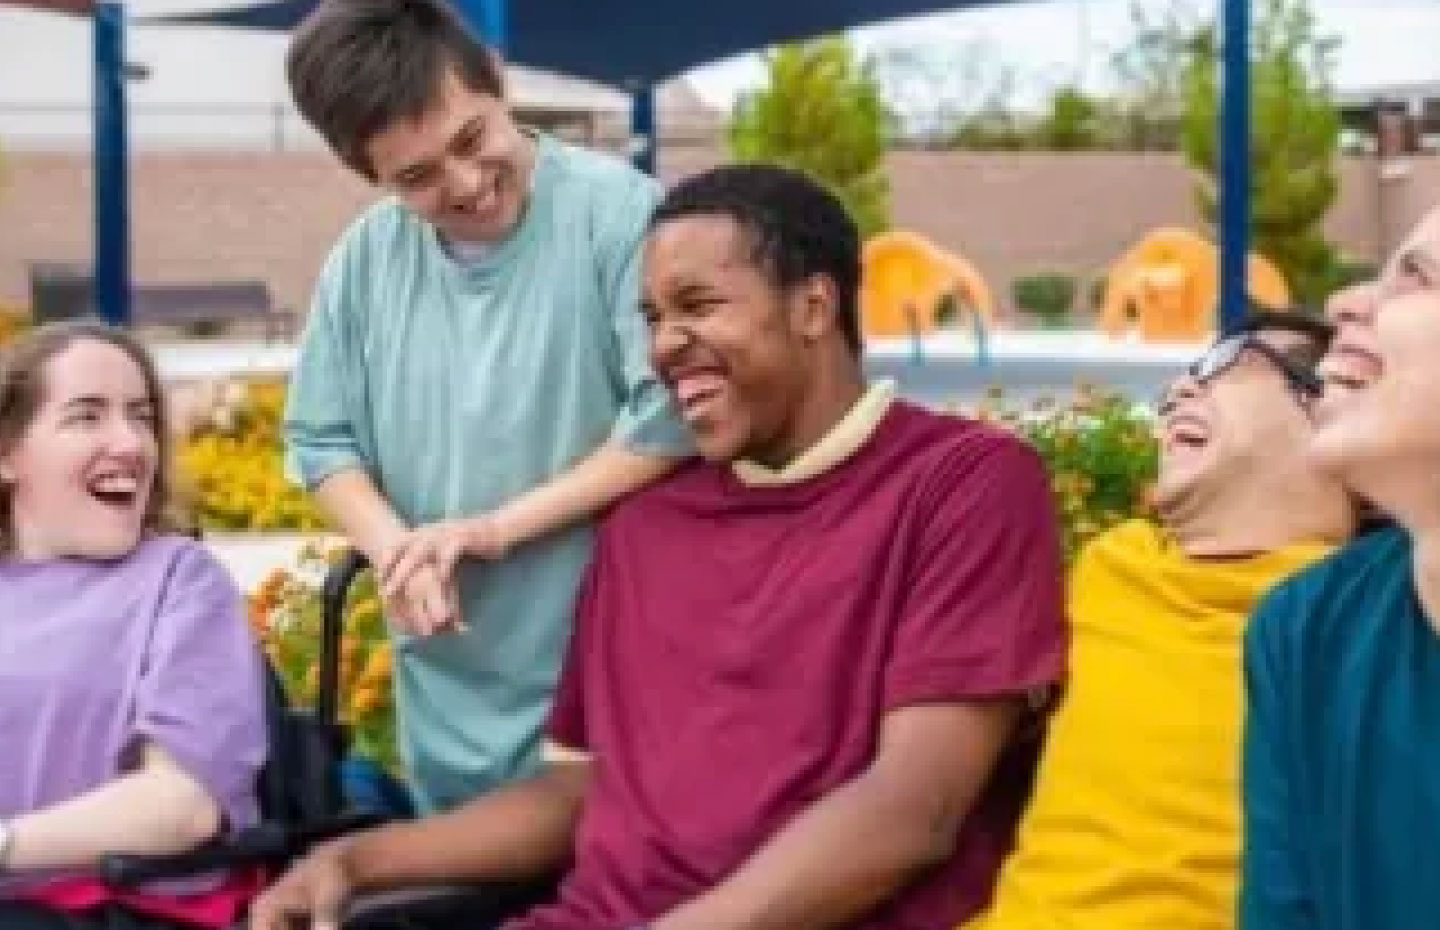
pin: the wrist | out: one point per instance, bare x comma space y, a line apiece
348, 860
494, 534
7, 844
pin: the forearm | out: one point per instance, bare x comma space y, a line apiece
862, 843
597, 481
156, 811
799, 882
351, 500
519, 831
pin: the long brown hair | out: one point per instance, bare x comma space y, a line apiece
23, 365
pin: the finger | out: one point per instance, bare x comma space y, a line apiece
389, 554
274, 910
437, 608
401, 615
447, 558
262, 913
328, 900
405, 566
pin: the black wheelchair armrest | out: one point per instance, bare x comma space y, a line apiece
475, 904
264, 844
257, 845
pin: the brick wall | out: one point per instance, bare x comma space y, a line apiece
275, 215
193, 217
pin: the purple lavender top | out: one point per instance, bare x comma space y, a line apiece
98, 657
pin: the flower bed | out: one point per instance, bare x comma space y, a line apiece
231, 465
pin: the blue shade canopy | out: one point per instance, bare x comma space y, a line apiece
633, 42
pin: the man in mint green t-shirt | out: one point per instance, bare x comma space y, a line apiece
473, 384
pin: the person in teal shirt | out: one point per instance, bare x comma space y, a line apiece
1342, 760
473, 385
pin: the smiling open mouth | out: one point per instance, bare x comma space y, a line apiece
696, 391
115, 490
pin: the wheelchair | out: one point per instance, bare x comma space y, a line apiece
303, 803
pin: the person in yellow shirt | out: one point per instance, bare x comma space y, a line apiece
1134, 823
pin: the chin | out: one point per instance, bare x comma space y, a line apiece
1332, 452
718, 448
107, 546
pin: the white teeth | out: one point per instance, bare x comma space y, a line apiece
116, 484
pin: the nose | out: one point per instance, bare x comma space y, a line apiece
1183, 387
465, 177
1354, 306
667, 341
128, 438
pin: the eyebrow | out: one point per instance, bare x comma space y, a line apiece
474, 124
92, 401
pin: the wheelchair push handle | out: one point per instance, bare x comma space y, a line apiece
333, 594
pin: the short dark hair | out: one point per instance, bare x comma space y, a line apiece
1317, 331
355, 67
796, 228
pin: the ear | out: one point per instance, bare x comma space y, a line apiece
816, 307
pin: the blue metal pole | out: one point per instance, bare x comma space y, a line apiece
642, 126
490, 18
1235, 165
111, 166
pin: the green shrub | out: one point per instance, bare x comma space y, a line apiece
1048, 297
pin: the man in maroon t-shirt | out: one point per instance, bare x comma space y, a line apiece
801, 665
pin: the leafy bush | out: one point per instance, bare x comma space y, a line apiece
285, 613
1048, 296
1100, 452
232, 473
820, 112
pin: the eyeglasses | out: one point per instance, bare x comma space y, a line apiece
1223, 355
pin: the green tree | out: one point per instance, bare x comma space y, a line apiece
1295, 138
1072, 123
1150, 72
821, 112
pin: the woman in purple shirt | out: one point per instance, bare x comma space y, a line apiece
131, 688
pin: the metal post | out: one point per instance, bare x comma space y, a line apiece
642, 127
1235, 166
111, 166
490, 18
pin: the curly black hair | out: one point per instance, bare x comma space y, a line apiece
796, 228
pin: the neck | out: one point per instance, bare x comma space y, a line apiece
829, 399
1256, 517
1419, 513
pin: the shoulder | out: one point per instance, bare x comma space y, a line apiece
370, 236
1131, 540
604, 174
1319, 603
183, 565
606, 188
693, 483
955, 455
